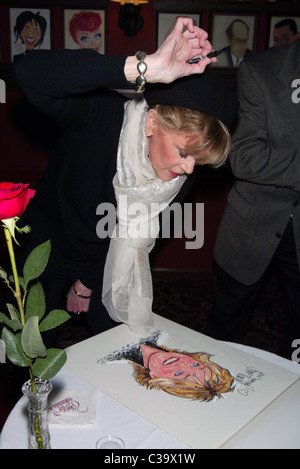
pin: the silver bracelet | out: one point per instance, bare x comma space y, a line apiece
142, 67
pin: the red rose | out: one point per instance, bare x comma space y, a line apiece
14, 199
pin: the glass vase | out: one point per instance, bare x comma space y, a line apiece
39, 436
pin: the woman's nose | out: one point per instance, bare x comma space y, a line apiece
188, 165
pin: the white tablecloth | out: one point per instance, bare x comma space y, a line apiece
112, 419
276, 427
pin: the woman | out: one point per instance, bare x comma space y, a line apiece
71, 87
182, 374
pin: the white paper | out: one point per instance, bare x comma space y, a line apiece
198, 424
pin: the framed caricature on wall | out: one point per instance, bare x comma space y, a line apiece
234, 36
283, 30
85, 29
29, 30
166, 22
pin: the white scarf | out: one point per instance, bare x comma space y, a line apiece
141, 196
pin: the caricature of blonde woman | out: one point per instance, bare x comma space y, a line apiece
182, 374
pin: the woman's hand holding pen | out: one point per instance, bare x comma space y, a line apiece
170, 61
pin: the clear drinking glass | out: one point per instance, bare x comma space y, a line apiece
110, 442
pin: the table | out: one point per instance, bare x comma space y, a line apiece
112, 419
275, 428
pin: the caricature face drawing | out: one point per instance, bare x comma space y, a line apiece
90, 39
85, 28
30, 27
31, 34
238, 39
163, 364
187, 375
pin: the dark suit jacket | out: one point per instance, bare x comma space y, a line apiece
265, 160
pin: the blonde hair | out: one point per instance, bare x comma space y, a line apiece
221, 381
209, 139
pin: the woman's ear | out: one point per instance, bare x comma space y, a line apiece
151, 122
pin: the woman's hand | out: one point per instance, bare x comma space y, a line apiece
169, 62
75, 303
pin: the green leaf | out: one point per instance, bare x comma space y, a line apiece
3, 273
13, 312
35, 302
46, 368
13, 347
13, 324
55, 318
21, 281
36, 262
31, 339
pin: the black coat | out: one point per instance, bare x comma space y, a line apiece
70, 87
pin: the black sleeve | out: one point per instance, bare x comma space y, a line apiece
67, 85
49, 77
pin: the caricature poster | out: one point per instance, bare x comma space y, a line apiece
197, 389
29, 30
84, 29
284, 30
234, 37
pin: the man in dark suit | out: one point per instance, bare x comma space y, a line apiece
262, 219
237, 35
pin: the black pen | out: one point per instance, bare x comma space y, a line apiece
210, 55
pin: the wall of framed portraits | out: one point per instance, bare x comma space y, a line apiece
259, 24
26, 136
58, 24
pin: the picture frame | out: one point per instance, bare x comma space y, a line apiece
242, 29
283, 30
85, 29
30, 28
236, 1
166, 22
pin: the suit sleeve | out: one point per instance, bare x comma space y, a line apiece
260, 154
